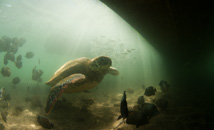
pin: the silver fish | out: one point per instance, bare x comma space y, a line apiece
4, 116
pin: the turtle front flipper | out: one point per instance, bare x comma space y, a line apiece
58, 89
113, 71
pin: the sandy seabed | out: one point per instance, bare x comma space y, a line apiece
93, 110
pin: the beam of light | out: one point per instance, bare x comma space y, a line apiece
68, 29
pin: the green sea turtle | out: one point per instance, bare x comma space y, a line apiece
78, 75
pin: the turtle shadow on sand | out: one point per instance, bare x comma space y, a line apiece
67, 116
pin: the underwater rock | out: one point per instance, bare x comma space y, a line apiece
29, 55
130, 91
5, 71
44, 122
16, 80
150, 91
164, 86
162, 103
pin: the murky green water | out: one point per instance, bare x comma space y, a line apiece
60, 31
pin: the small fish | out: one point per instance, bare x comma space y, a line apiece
44, 122
5, 61
164, 86
123, 107
5, 71
18, 64
150, 91
16, 80
29, 55
2, 92
9, 56
148, 110
39, 61
19, 57
4, 116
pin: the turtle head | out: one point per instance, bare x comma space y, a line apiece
100, 63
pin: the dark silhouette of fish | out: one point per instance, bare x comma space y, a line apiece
150, 91
164, 86
36, 74
44, 122
19, 57
5, 71
18, 64
9, 56
13, 49
16, 80
29, 55
148, 110
123, 107
5, 61
4, 44
4, 116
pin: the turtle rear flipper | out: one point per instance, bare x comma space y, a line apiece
58, 89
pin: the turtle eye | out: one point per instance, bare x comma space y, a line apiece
95, 64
